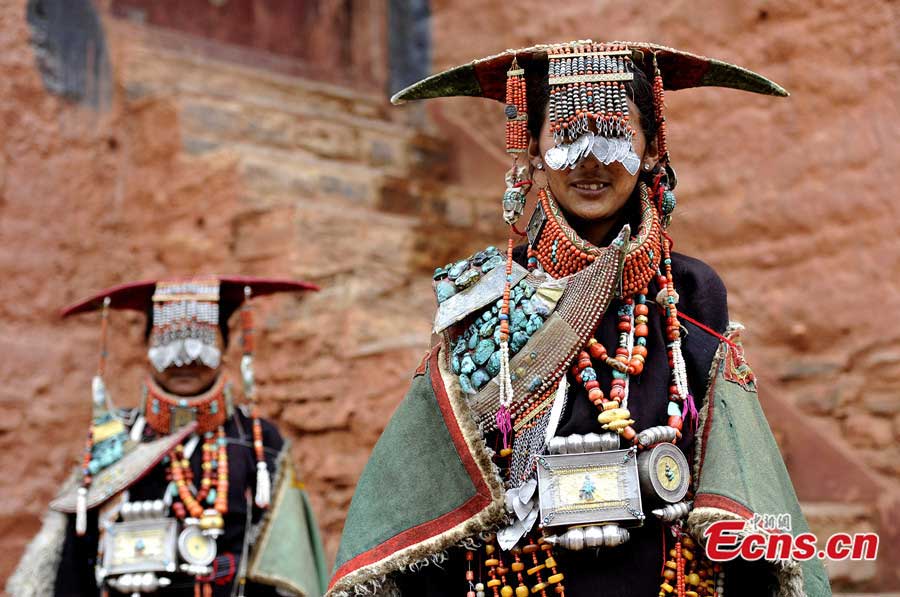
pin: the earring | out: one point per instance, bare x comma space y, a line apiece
539, 165
648, 166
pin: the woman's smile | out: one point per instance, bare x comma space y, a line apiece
588, 186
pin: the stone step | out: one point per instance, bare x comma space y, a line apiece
271, 175
210, 125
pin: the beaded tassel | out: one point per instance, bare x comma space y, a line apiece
659, 109
98, 400
668, 299
263, 481
516, 110
470, 574
517, 185
504, 418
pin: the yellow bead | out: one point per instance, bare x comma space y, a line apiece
608, 416
550, 563
556, 578
506, 591
521, 591
666, 587
539, 587
672, 565
690, 594
518, 566
492, 562
687, 554
494, 582
611, 405
535, 570
505, 452
693, 579
488, 549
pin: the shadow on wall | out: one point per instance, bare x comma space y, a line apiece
70, 48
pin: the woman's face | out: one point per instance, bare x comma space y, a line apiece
591, 191
188, 380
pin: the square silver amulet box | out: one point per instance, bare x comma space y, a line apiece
589, 488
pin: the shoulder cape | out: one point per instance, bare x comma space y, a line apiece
430, 484
738, 469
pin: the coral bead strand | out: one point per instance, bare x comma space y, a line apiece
221, 503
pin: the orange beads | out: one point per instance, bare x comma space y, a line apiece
516, 110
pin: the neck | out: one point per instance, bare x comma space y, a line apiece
193, 391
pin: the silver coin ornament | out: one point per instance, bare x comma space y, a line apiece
631, 162
555, 157
600, 148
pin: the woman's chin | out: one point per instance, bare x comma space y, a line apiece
590, 205
590, 211
186, 388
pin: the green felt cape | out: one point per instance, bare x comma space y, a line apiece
288, 553
430, 483
738, 469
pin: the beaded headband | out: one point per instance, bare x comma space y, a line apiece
185, 313
588, 105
